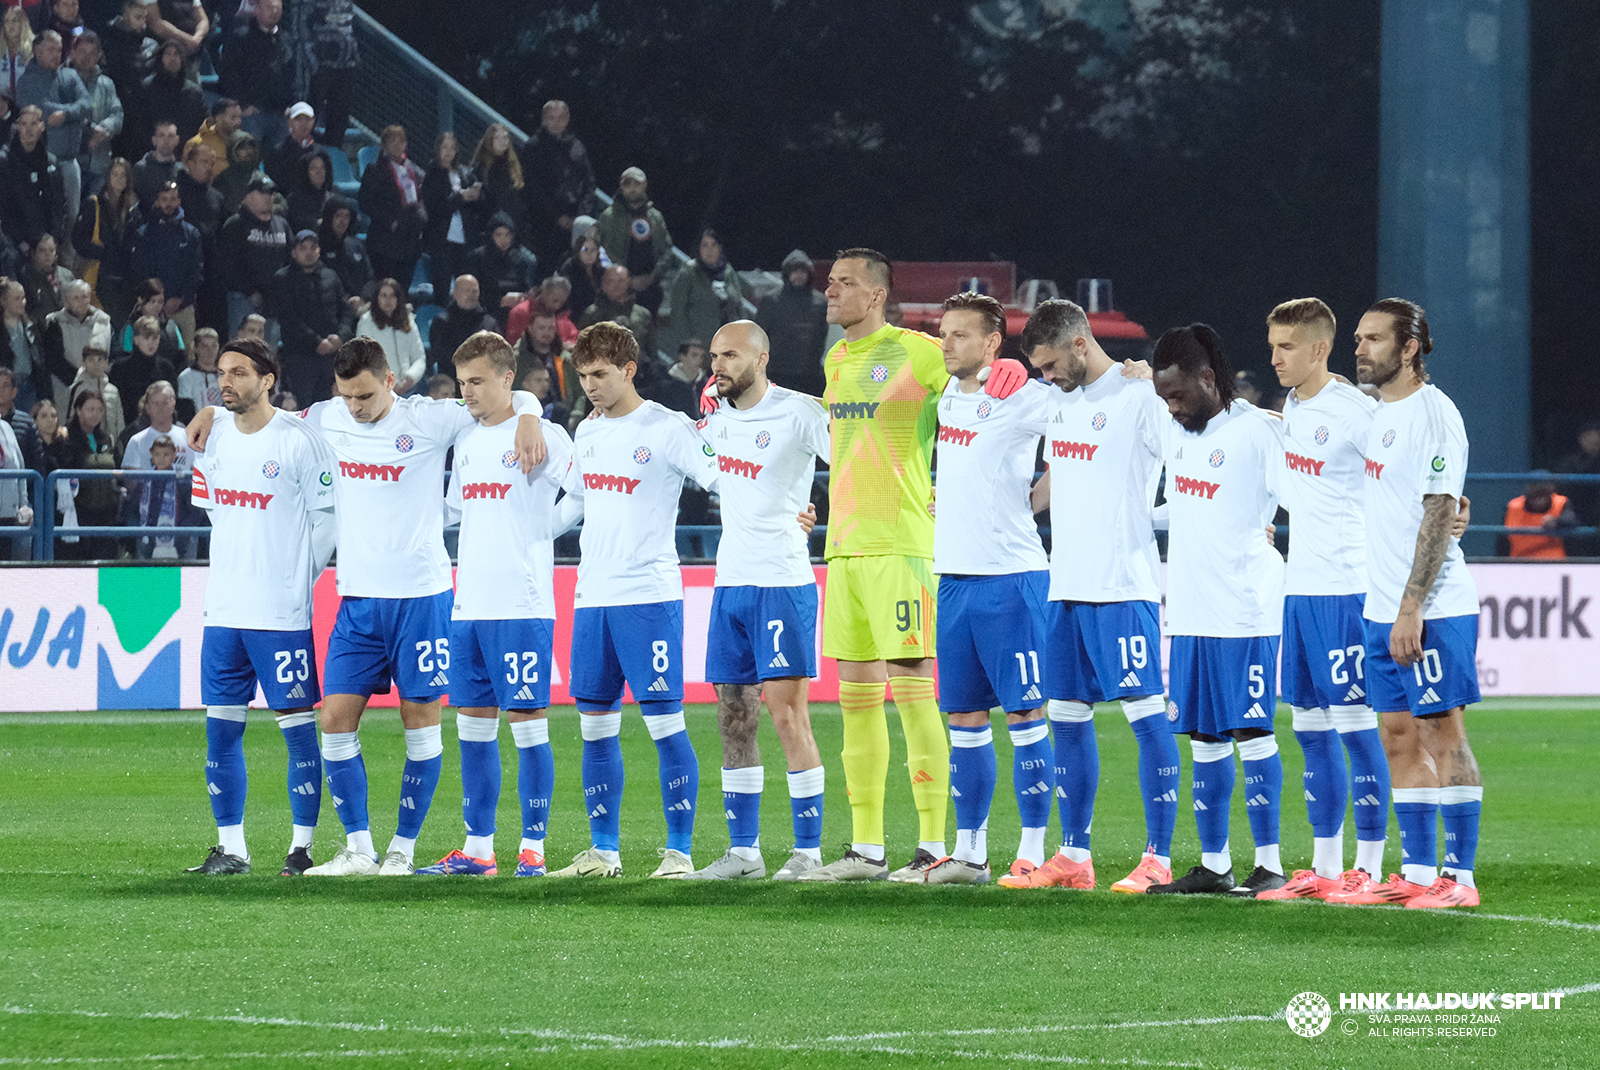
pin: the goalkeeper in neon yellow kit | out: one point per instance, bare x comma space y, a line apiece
883, 385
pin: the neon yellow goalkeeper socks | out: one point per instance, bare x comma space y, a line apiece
866, 757
927, 751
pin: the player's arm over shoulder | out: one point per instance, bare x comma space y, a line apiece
927, 359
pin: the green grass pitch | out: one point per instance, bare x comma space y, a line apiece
110, 956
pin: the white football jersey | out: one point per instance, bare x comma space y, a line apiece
1224, 577
390, 484
767, 459
137, 455
1324, 465
203, 389
983, 521
1416, 447
1103, 444
259, 491
628, 471
506, 555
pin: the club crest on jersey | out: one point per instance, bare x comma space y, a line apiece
1321, 436
1216, 458
404, 444
984, 409
1388, 437
1099, 421
508, 459
763, 439
270, 469
642, 455
880, 373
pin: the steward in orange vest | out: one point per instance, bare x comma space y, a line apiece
1539, 507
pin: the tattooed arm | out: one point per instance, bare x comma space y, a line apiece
1433, 540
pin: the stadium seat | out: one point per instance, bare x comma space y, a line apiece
364, 157
424, 316
421, 289
343, 181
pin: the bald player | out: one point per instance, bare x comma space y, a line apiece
764, 608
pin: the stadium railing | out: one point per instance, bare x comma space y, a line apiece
35, 496
49, 531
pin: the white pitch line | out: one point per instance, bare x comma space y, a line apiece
1028, 1029
1526, 919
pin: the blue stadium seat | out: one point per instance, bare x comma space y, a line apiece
424, 317
343, 181
422, 280
364, 157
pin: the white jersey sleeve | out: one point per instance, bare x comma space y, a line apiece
1322, 483
983, 518
506, 556
259, 490
1224, 577
1416, 447
766, 457
1103, 443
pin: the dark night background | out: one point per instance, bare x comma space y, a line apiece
1212, 157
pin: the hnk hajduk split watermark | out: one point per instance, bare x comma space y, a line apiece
1414, 1014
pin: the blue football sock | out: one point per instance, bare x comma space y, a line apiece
536, 776
805, 805
347, 779
305, 767
1369, 770
603, 777
1077, 767
1213, 793
480, 772
1263, 787
741, 802
1158, 770
226, 780
1033, 772
972, 779
419, 779
1416, 811
1460, 807
678, 769
1325, 781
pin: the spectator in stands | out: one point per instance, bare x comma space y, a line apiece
130, 48
313, 185
158, 166
167, 95
584, 265
680, 388
539, 346
313, 317
219, 131
89, 444
65, 335
255, 326
203, 209
1584, 461
104, 227
634, 234
796, 320
344, 252
15, 511
21, 424
463, 317
253, 246
389, 322
45, 280
31, 193
158, 410
441, 386
553, 296
19, 345
706, 292
165, 504
282, 160
52, 438
66, 22
616, 303
257, 68
504, 189
168, 247
451, 193
141, 366
16, 48
1539, 506
198, 386
505, 270
185, 24
244, 156
559, 180
105, 113
150, 299
95, 378
326, 32
391, 196
60, 95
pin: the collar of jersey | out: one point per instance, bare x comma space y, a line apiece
856, 349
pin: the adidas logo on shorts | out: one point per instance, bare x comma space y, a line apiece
778, 661
1032, 694
298, 691
1428, 696
1355, 692
1130, 680
1255, 711
524, 695
659, 685
441, 680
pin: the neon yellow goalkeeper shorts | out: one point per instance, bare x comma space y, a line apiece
879, 609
